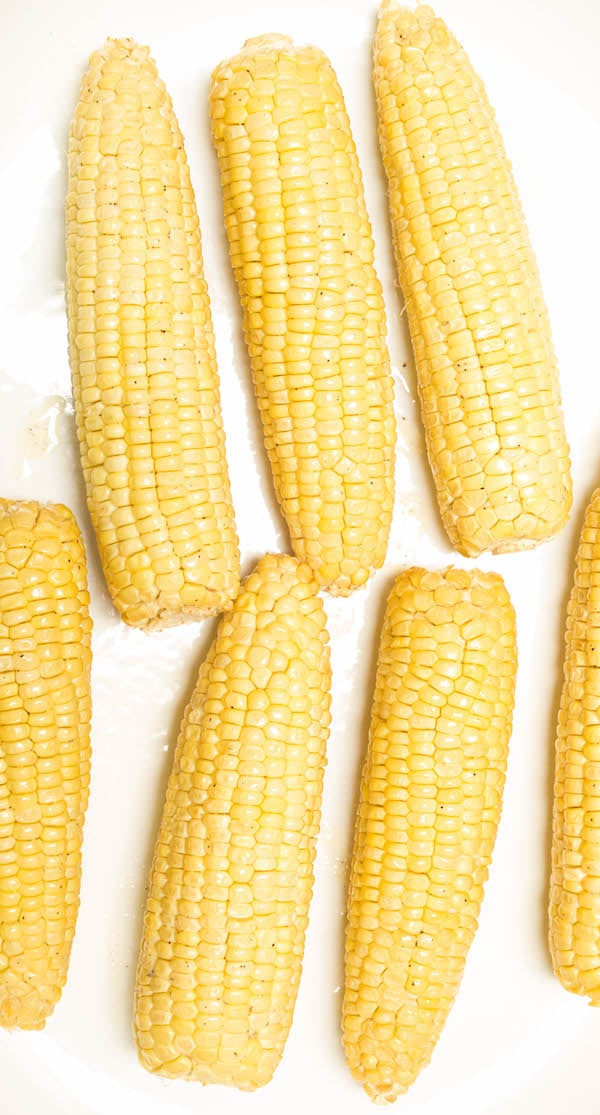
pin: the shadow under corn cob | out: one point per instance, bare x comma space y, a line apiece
141, 343
486, 367
314, 319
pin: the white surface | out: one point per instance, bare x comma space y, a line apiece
515, 1042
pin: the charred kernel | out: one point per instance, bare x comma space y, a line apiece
486, 368
232, 875
575, 878
142, 353
302, 252
45, 710
429, 806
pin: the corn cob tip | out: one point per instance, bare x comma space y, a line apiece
289, 569
386, 8
405, 25
27, 512
125, 50
268, 42
421, 15
23, 1009
121, 48
484, 589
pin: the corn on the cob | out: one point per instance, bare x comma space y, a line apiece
486, 367
142, 353
429, 806
232, 875
575, 881
44, 753
314, 320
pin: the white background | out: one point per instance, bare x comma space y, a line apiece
515, 1042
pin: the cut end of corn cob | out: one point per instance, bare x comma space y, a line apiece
44, 753
232, 875
142, 355
486, 368
429, 807
575, 879
302, 252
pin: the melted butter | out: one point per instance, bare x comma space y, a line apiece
46, 425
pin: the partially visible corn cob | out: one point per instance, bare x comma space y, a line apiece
575, 881
486, 368
429, 806
314, 318
44, 753
142, 354
232, 876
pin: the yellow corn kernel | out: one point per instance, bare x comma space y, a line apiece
45, 710
314, 319
575, 879
486, 367
232, 876
430, 801
142, 353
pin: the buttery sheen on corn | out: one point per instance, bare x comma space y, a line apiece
429, 806
486, 367
314, 320
142, 352
232, 875
44, 753
575, 882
